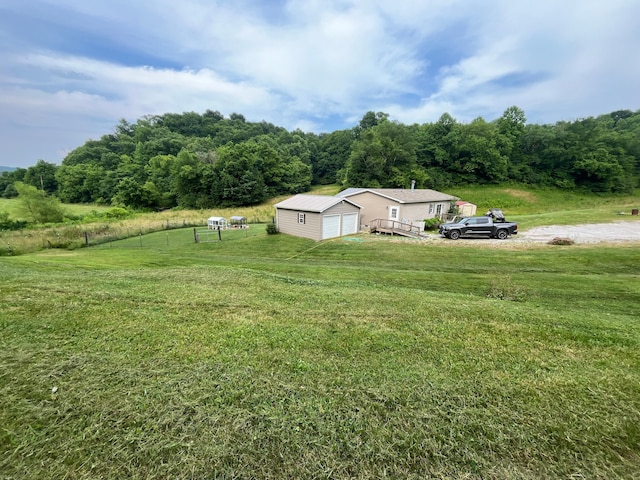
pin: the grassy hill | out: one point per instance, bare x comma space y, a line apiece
269, 356
533, 207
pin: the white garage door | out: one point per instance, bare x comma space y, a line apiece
330, 226
349, 223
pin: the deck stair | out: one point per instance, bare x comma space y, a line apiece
394, 227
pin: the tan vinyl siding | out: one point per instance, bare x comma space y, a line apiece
420, 211
312, 228
341, 208
288, 223
376, 206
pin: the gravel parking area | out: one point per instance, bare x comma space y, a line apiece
622, 231
615, 232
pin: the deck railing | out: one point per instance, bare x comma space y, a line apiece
394, 227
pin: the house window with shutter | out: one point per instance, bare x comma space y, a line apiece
301, 218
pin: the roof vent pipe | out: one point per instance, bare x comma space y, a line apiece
413, 184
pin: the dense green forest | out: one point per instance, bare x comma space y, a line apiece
205, 160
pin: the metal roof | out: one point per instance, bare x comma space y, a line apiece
312, 203
349, 191
402, 195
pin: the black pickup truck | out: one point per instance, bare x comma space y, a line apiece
491, 225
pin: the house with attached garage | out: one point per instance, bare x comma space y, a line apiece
397, 208
317, 217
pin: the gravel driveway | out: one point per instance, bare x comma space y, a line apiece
615, 232
622, 231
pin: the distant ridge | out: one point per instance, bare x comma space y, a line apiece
6, 169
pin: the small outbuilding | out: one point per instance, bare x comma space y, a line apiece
317, 217
466, 209
238, 221
217, 223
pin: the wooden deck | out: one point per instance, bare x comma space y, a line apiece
394, 227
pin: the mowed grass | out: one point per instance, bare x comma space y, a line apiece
535, 206
529, 206
276, 357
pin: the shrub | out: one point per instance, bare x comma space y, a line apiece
72, 217
7, 250
272, 229
37, 206
7, 224
117, 212
431, 223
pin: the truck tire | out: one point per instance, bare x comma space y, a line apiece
454, 234
502, 234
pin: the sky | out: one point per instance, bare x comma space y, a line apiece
70, 70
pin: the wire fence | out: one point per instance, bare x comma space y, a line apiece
85, 235
209, 235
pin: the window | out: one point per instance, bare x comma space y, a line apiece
393, 213
301, 218
431, 208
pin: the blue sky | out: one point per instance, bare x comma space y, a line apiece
71, 69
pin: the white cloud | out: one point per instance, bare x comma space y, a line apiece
321, 54
110, 89
300, 62
555, 60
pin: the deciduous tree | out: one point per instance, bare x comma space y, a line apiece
37, 206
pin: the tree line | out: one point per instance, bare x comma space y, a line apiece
205, 160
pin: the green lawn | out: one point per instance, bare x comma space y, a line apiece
277, 357
532, 207
529, 206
